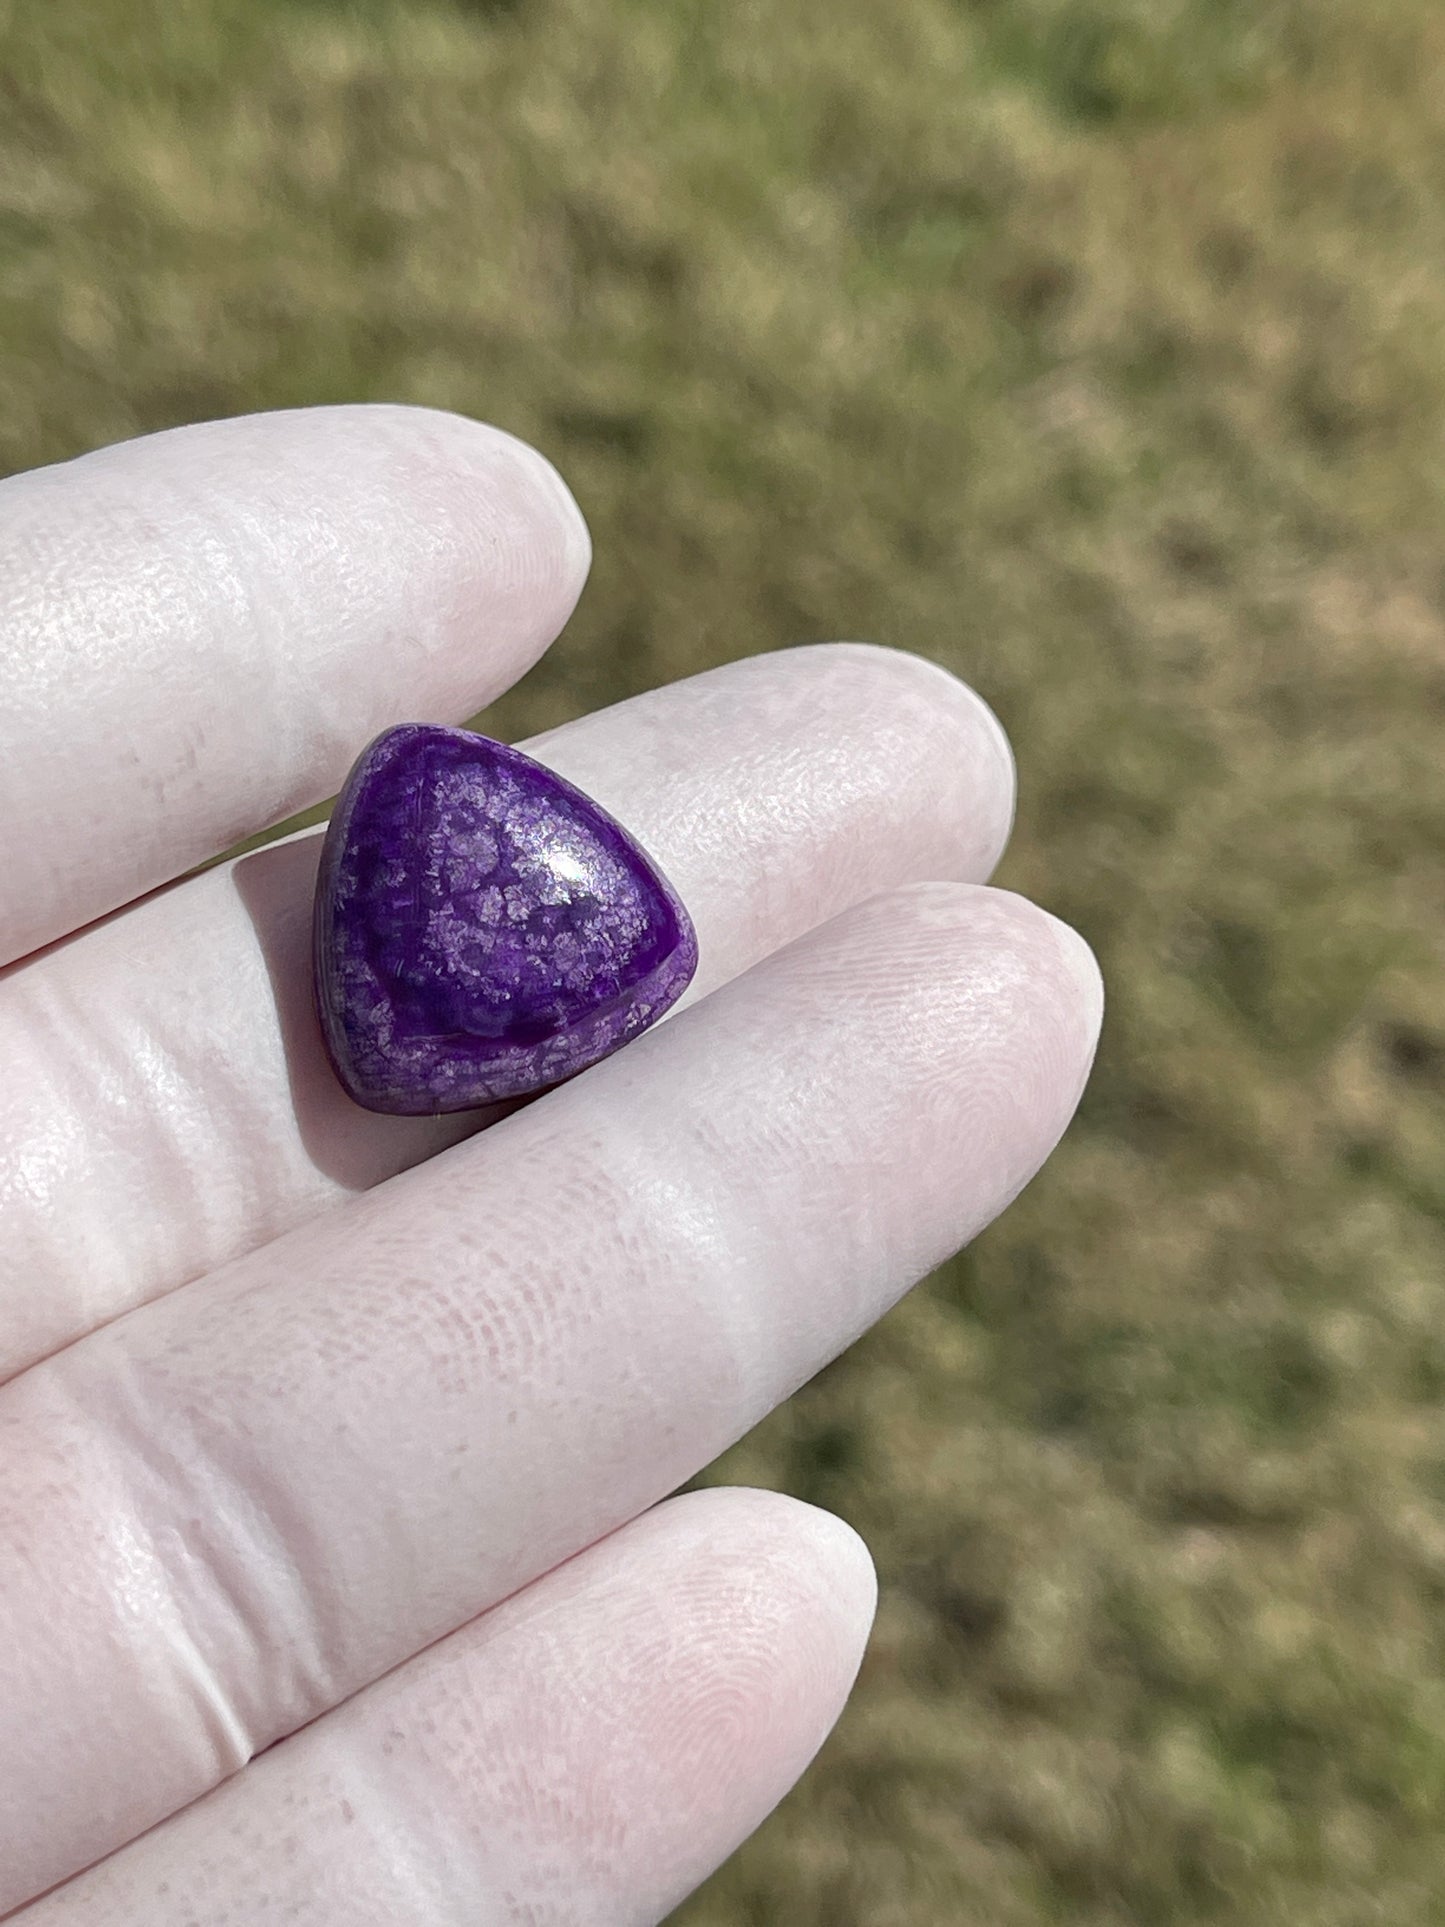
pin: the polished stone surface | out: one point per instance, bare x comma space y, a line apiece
483, 929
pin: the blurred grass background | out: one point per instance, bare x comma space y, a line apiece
1095, 348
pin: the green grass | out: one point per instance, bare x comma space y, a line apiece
1097, 349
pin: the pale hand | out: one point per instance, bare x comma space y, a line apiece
294, 1395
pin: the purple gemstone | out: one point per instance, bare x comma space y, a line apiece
483, 929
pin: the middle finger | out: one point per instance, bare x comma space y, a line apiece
167, 1105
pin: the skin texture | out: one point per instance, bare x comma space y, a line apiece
345, 1441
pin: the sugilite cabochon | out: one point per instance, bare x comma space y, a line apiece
482, 929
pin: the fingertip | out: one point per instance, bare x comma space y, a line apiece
846, 1585
806, 1547
576, 536
1077, 959
1007, 784
777, 1599
958, 724
484, 473
1033, 949
983, 1017
1058, 957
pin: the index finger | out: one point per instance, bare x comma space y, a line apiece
201, 625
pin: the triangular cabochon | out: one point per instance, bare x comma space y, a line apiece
483, 929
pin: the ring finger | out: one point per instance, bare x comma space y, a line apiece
587, 1751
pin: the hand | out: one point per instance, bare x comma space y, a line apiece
294, 1394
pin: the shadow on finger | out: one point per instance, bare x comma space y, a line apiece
352, 1146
